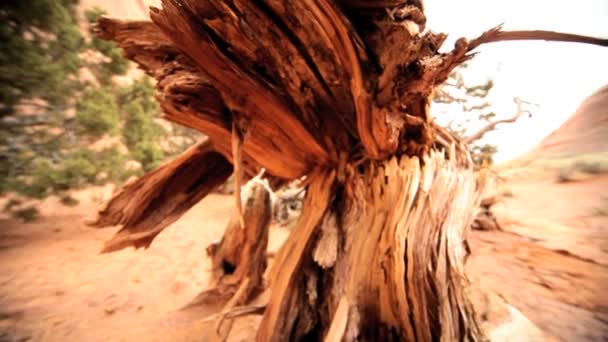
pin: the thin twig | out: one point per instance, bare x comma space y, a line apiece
237, 312
236, 299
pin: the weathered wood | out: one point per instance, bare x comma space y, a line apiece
149, 204
254, 103
346, 282
336, 92
564, 293
241, 253
308, 96
187, 97
285, 302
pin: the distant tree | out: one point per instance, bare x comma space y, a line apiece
141, 133
39, 58
471, 104
58, 97
97, 112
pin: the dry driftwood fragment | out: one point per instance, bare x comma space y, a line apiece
239, 260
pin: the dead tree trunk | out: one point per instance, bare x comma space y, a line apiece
378, 257
336, 91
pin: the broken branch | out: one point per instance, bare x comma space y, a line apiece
148, 205
497, 35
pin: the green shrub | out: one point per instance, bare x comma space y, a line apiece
44, 151
142, 135
97, 112
150, 155
114, 63
75, 170
27, 214
68, 201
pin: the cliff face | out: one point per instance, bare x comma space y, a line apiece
585, 132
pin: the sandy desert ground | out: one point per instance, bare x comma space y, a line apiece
55, 286
549, 262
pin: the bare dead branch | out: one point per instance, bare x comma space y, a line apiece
497, 35
492, 125
236, 312
149, 204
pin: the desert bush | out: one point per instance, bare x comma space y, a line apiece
565, 175
97, 112
44, 148
68, 200
592, 166
27, 214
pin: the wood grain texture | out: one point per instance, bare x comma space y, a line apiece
146, 206
335, 94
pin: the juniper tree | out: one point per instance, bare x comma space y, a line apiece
51, 111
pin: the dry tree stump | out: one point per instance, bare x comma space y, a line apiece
335, 92
343, 268
241, 253
239, 259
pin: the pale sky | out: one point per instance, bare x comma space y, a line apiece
557, 76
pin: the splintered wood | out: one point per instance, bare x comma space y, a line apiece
397, 269
241, 253
334, 93
147, 205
